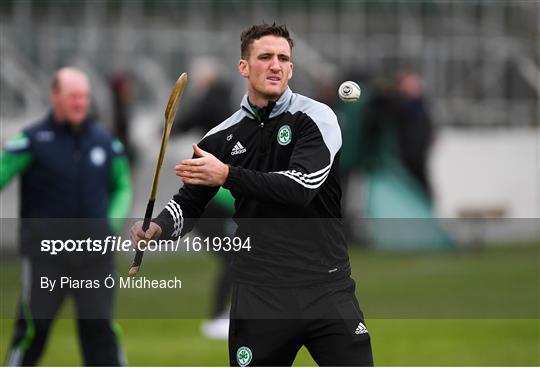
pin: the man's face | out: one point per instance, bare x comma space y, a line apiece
268, 68
72, 98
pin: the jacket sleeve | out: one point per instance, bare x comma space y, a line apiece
15, 158
120, 190
310, 164
183, 211
185, 208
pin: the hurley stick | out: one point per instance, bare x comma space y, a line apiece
170, 113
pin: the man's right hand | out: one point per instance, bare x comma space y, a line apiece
137, 234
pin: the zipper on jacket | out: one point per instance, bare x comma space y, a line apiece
261, 144
263, 149
77, 156
262, 115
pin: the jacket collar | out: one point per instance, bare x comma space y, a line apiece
62, 127
282, 104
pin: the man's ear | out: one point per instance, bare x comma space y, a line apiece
291, 73
243, 68
53, 97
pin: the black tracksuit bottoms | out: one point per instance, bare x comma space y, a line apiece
270, 324
39, 307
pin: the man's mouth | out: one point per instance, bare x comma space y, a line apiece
274, 78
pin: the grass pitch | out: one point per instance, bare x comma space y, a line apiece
453, 309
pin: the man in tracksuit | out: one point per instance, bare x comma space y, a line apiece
74, 182
278, 155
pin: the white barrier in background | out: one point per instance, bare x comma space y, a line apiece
486, 170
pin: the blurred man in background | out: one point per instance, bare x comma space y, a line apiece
70, 168
122, 92
416, 134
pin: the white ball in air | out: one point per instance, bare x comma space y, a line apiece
349, 91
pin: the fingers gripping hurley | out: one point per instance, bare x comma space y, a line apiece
170, 113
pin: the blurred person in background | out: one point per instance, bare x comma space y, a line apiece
416, 134
70, 168
210, 106
395, 137
122, 91
211, 94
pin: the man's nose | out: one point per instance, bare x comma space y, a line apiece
275, 65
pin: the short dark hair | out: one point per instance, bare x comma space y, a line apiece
259, 30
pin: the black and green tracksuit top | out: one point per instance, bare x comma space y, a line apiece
66, 175
284, 177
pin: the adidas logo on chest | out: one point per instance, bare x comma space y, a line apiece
238, 149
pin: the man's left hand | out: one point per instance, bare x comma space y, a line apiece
206, 169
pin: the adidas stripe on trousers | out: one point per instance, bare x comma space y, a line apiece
269, 325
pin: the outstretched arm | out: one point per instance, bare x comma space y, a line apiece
309, 166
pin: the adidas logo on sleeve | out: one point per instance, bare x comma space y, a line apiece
238, 149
